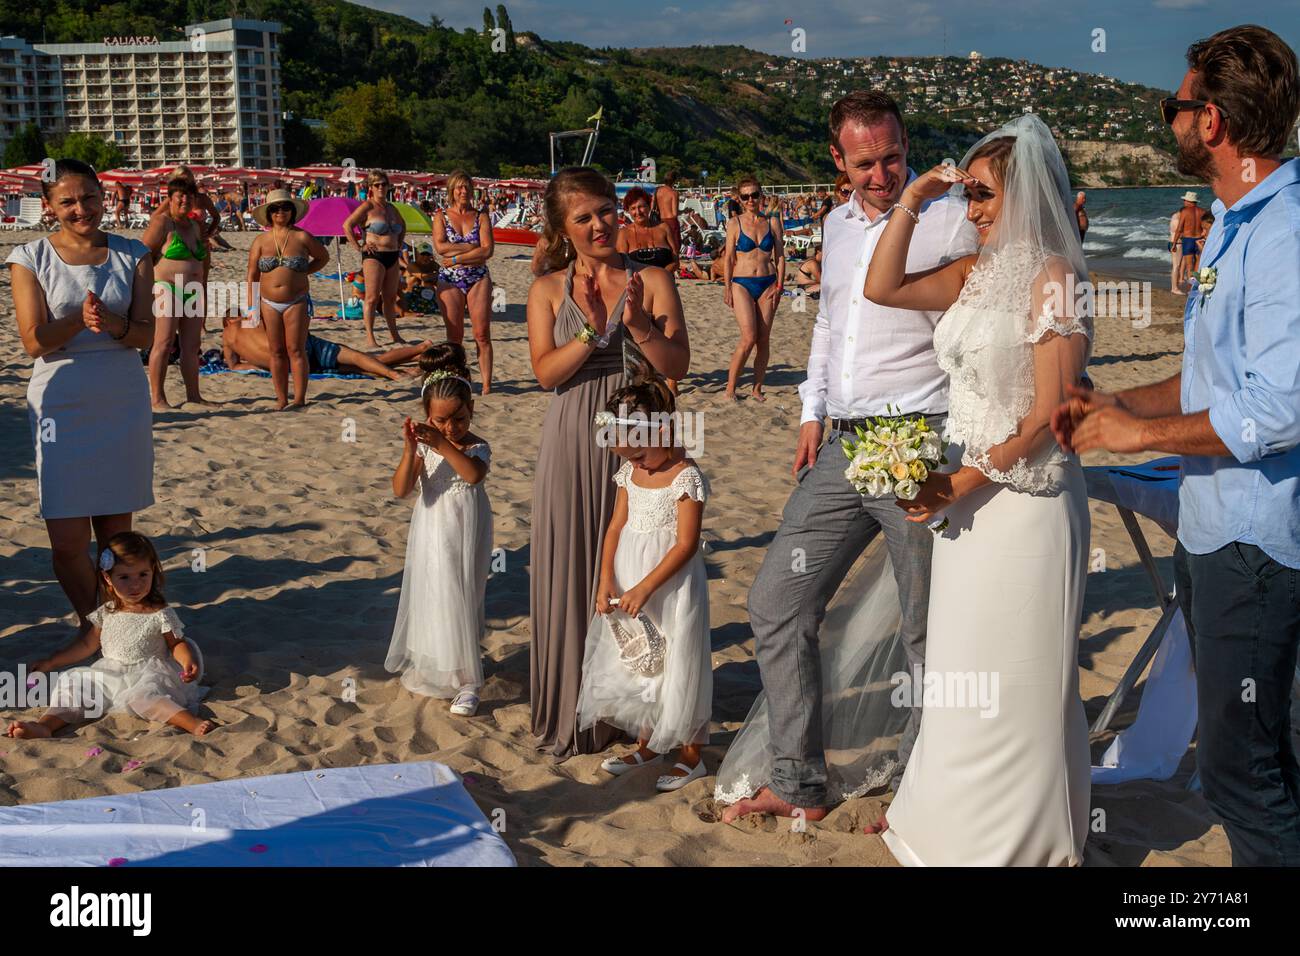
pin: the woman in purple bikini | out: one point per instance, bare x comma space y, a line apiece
462, 235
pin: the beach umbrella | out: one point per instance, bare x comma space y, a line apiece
325, 217
415, 219
31, 170
128, 177
11, 183
165, 172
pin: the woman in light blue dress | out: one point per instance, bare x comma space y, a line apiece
84, 304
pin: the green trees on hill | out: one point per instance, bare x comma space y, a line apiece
399, 93
26, 147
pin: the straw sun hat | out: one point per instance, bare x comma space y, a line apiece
278, 196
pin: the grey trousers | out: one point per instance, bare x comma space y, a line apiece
832, 524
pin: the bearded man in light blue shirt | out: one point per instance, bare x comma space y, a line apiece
1233, 413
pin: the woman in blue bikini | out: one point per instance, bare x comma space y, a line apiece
279, 264
462, 235
382, 230
753, 269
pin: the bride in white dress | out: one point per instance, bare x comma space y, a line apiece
1007, 784
999, 775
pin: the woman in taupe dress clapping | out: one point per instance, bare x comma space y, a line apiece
590, 320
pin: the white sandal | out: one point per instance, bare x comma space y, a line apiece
618, 766
667, 783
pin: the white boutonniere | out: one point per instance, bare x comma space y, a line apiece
1205, 280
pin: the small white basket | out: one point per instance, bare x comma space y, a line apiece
641, 645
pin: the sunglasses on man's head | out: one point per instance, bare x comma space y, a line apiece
746, 197
1171, 106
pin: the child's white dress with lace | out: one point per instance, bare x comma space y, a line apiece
435, 643
672, 707
137, 673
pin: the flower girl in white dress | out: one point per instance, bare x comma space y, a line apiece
440, 618
148, 667
647, 667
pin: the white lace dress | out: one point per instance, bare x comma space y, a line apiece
136, 674
440, 622
671, 708
1000, 772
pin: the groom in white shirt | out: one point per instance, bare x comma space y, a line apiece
865, 359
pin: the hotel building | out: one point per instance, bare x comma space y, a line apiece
212, 99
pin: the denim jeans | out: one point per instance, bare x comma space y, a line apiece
1244, 611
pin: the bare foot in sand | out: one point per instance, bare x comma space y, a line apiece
758, 397
162, 407
191, 724
28, 729
765, 801
731, 396
202, 401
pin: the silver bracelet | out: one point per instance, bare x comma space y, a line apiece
915, 218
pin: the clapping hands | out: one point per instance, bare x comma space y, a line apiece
92, 312
592, 303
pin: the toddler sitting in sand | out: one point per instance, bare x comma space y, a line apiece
148, 667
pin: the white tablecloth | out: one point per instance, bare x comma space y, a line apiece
402, 814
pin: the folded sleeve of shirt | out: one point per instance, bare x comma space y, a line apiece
1262, 417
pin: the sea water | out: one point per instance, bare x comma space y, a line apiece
1128, 229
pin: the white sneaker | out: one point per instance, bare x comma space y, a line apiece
465, 704
668, 782
617, 765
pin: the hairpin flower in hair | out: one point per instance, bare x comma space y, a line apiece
107, 560
437, 375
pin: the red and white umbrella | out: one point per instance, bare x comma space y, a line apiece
164, 172
32, 171
127, 177
11, 183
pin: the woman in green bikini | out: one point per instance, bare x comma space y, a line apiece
179, 253
279, 264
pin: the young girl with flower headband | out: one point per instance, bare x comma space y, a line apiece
647, 667
148, 667
435, 643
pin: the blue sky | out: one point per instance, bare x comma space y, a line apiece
1145, 39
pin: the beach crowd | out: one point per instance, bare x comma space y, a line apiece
933, 294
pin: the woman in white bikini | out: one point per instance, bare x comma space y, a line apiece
279, 264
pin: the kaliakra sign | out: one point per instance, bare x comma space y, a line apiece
130, 41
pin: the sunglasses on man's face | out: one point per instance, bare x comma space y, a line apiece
1171, 106
746, 197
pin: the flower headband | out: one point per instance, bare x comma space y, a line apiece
437, 375
107, 560
609, 419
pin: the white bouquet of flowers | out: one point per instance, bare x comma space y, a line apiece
893, 456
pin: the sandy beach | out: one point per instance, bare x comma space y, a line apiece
303, 547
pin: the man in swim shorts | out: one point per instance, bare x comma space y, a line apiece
247, 348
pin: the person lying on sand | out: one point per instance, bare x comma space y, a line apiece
247, 348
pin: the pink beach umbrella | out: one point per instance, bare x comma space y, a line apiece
325, 217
